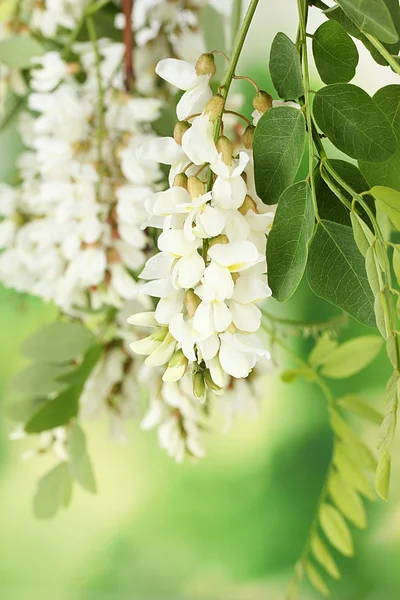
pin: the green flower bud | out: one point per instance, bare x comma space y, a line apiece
214, 107
219, 239
199, 387
195, 187
262, 101
225, 147
191, 302
181, 180
247, 205
180, 128
205, 65
248, 137
210, 382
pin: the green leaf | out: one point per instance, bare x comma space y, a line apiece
351, 472
363, 236
373, 17
373, 270
396, 262
323, 348
316, 580
290, 375
347, 501
356, 405
285, 68
352, 356
278, 149
324, 557
287, 246
389, 201
336, 272
81, 468
58, 342
55, 412
352, 445
17, 51
39, 379
79, 375
386, 173
22, 410
354, 123
330, 207
335, 53
336, 530
382, 479
54, 491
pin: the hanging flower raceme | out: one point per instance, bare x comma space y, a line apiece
210, 273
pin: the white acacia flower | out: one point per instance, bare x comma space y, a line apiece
51, 72
182, 75
230, 189
236, 256
198, 141
189, 266
239, 353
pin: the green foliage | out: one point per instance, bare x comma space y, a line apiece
53, 493
389, 201
372, 16
335, 53
18, 51
351, 357
55, 412
382, 479
81, 468
386, 173
336, 271
78, 376
316, 580
356, 405
58, 342
354, 123
284, 67
39, 379
287, 246
336, 530
347, 501
278, 149
324, 557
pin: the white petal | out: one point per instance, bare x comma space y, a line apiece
175, 243
179, 73
181, 330
160, 288
144, 319
250, 289
193, 101
217, 373
209, 347
203, 319
220, 280
246, 317
161, 355
198, 141
222, 316
235, 255
235, 363
213, 221
162, 150
229, 193
145, 346
171, 201
189, 270
167, 308
157, 267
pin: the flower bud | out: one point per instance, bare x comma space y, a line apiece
247, 205
180, 128
195, 187
248, 137
181, 180
262, 101
214, 107
191, 302
205, 65
224, 147
210, 382
220, 239
159, 335
74, 68
199, 387
176, 367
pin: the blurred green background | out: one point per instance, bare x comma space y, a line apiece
227, 528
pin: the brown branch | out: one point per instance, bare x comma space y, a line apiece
127, 6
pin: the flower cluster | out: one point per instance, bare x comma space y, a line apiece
210, 272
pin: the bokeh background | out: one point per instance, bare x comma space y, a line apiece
227, 528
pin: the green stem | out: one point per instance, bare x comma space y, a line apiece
235, 20
100, 99
383, 52
302, 7
319, 325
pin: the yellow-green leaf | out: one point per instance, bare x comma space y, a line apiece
352, 473
389, 201
356, 405
347, 501
316, 580
323, 348
352, 356
324, 557
336, 530
382, 479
